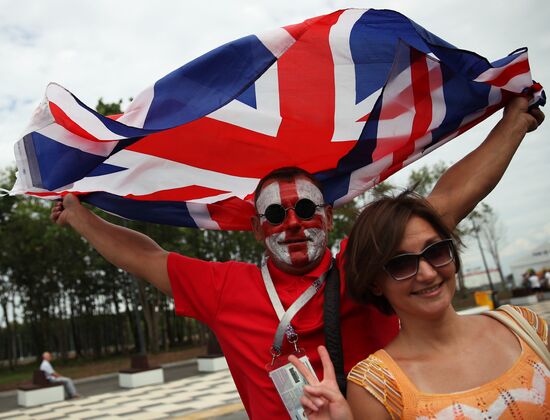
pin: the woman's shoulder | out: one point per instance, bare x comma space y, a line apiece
535, 321
375, 375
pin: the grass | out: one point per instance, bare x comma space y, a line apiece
83, 368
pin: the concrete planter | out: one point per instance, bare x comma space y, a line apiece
39, 396
211, 364
141, 378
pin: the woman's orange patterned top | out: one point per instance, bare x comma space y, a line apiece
523, 392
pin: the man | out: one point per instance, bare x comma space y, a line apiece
55, 377
242, 303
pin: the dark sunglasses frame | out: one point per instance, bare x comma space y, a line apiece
451, 248
301, 217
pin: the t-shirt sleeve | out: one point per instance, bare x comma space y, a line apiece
197, 286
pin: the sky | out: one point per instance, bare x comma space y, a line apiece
116, 49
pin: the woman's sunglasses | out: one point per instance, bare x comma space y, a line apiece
405, 266
304, 208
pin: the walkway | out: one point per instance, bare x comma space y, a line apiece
196, 396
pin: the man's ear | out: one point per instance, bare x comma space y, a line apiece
257, 228
329, 216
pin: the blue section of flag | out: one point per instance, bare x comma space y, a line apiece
60, 164
207, 83
105, 169
164, 212
374, 40
248, 97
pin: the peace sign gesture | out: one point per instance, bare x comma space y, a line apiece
322, 400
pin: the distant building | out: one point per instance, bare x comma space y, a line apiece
537, 259
476, 278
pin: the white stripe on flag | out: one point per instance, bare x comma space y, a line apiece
148, 174
515, 84
138, 109
277, 41
81, 116
201, 216
346, 111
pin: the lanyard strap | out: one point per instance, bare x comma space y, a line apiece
286, 316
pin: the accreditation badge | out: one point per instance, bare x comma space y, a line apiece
290, 383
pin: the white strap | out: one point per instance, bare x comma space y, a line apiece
286, 316
524, 330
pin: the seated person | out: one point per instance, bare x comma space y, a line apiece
402, 257
55, 377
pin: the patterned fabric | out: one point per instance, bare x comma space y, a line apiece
539, 324
379, 381
522, 392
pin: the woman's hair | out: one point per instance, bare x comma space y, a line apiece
375, 237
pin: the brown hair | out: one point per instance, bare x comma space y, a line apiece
375, 237
286, 173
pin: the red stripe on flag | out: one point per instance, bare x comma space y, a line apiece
191, 192
232, 214
63, 120
509, 72
420, 83
297, 30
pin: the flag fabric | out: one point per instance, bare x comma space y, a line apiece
352, 97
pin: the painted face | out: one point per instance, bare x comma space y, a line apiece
295, 245
429, 293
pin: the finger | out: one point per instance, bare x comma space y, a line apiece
308, 404
328, 367
303, 369
538, 115
323, 391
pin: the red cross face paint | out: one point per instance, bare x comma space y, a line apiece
295, 245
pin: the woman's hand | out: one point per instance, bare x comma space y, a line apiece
322, 400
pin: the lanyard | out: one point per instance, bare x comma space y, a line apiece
285, 328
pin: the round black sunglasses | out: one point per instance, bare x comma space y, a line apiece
304, 208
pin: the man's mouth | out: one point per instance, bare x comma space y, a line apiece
428, 290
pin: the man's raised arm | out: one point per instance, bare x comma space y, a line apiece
472, 178
125, 248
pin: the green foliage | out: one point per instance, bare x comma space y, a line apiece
423, 180
109, 108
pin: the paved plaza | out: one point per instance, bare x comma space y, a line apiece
197, 396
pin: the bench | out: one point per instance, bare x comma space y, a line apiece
39, 391
140, 373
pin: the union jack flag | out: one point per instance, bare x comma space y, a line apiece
352, 97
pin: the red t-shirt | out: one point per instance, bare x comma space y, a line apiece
232, 300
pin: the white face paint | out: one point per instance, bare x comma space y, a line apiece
294, 244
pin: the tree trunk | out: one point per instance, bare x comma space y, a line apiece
10, 338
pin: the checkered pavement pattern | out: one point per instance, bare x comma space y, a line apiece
173, 399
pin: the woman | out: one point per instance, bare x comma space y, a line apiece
402, 258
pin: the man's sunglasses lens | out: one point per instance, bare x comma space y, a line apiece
405, 266
276, 213
305, 209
